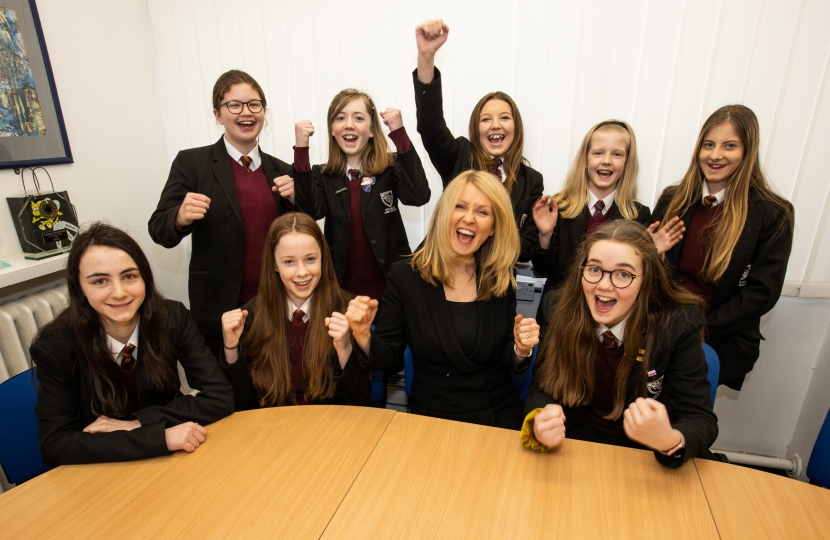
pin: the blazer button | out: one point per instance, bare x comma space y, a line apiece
448, 375
373, 242
380, 261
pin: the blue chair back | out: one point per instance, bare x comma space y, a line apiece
19, 447
523, 382
714, 369
818, 468
409, 370
376, 392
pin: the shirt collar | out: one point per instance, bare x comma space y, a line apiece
608, 200
618, 330
116, 346
720, 195
256, 159
305, 307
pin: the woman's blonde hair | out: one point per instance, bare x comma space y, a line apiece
376, 157
727, 226
574, 196
495, 258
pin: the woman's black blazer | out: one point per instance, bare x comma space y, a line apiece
64, 397
451, 156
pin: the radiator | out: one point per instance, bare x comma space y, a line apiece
19, 322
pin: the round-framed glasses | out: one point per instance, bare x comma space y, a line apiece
235, 107
619, 278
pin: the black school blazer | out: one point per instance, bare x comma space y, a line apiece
215, 276
679, 382
65, 395
452, 156
327, 196
555, 261
748, 289
353, 385
446, 383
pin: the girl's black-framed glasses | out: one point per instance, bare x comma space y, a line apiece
620, 279
235, 107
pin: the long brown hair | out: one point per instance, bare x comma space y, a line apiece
728, 224
513, 158
574, 195
266, 343
376, 157
156, 355
570, 348
495, 258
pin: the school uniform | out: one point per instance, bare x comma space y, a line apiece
676, 378
556, 260
451, 156
329, 196
219, 259
65, 394
353, 386
748, 289
473, 386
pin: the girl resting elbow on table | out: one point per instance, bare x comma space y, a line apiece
291, 345
109, 386
454, 305
621, 361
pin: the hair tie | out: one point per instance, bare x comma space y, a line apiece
612, 123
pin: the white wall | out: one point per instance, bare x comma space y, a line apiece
134, 78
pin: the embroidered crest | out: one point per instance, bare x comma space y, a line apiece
522, 221
655, 387
387, 198
742, 281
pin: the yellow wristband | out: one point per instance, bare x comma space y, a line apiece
528, 437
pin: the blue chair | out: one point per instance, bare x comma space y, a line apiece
378, 383
19, 448
523, 382
408, 369
818, 468
714, 369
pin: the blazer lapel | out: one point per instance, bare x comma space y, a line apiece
224, 175
341, 191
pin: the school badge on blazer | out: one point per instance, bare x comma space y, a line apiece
45, 221
388, 199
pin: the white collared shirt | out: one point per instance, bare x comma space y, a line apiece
305, 307
720, 195
256, 159
116, 346
618, 330
592, 201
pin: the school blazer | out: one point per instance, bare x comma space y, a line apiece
555, 261
327, 196
748, 289
679, 382
446, 383
64, 397
451, 156
353, 385
215, 275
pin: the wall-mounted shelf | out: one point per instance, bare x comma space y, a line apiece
23, 269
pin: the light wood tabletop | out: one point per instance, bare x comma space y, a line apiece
753, 504
270, 473
430, 478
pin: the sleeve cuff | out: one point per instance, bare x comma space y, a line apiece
527, 436
401, 139
301, 159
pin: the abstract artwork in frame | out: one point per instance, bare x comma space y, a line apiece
32, 131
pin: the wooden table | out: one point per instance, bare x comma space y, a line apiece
271, 473
434, 479
752, 504
353, 472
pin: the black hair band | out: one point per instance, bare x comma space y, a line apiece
612, 124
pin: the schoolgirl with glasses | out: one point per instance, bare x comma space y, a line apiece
621, 361
226, 195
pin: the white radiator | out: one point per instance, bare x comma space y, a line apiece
19, 322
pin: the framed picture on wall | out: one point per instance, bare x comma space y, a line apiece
31, 123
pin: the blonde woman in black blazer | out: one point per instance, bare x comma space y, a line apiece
454, 305
496, 137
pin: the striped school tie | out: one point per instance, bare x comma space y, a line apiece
496, 170
598, 208
710, 201
609, 340
247, 161
127, 359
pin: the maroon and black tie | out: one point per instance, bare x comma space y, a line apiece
127, 359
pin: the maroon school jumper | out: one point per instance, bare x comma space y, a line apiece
693, 253
256, 203
362, 276
602, 403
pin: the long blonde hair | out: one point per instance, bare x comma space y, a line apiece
376, 157
574, 196
512, 159
727, 226
495, 258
